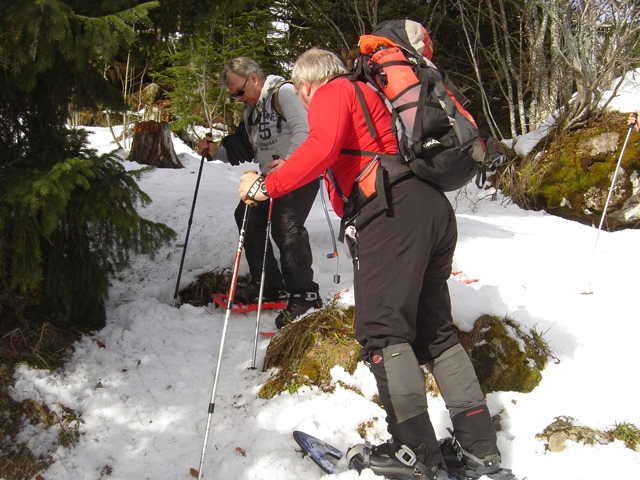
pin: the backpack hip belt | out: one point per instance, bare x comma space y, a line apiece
383, 171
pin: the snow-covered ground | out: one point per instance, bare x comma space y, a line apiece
143, 383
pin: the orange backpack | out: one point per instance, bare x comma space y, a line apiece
437, 137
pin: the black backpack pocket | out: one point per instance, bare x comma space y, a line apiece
446, 168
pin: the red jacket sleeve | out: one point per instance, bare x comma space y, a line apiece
330, 120
336, 122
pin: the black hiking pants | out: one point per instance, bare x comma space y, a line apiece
402, 261
288, 216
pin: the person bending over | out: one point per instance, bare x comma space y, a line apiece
402, 258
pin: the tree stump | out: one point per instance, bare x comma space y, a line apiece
152, 145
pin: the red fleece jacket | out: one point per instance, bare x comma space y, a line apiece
336, 122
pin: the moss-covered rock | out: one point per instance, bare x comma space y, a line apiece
566, 429
304, 352
573, 174
505, 358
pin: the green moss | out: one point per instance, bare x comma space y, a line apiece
495, 346
569, 171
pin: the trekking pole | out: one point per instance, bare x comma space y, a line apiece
186, 240
334, 254
262, 281
613, 182
232, 293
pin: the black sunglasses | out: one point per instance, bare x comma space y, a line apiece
240, 92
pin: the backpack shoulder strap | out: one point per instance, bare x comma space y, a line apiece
363, 105
365, 110
275, 101
464, 101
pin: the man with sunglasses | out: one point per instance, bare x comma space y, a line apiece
267, 138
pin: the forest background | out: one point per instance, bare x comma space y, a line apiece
66, 220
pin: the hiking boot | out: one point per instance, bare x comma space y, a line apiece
390, 461
299, 304
247, 293
465, 466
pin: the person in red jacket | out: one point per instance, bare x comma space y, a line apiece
402, 237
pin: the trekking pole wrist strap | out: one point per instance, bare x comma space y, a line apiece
257, 187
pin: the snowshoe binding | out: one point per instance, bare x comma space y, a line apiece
393, 462
464, 466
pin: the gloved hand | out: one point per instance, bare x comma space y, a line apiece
206, 147
633, 121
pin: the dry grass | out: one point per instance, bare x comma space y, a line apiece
305, 351
627, 433
44, 346
199, 292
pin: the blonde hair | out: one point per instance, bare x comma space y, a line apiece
316, 67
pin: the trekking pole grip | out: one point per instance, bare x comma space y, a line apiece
251, 203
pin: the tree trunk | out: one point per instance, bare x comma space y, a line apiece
152, 145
